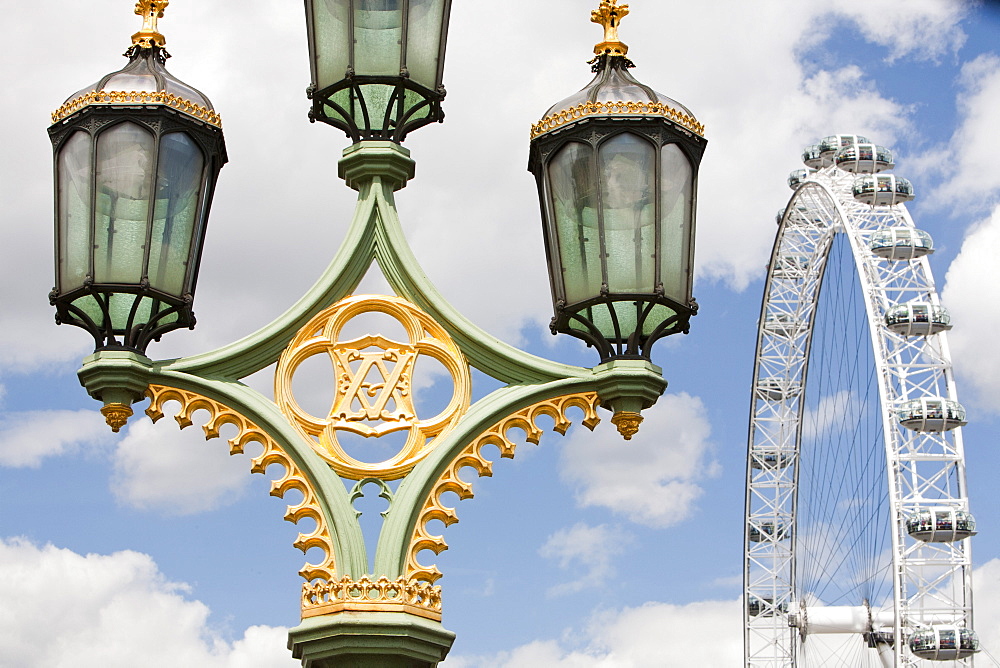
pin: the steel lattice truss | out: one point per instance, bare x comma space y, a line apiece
931, 581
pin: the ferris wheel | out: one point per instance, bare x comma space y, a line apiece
858, 525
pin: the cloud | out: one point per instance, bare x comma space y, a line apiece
177, 474
971, 292
652, 479
986, 585
970, 170
925, 29
589, 550
112, 611
654, 635
26, 438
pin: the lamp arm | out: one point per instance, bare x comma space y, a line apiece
330, 495
484, 351
262, 348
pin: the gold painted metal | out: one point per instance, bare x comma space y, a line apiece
137, 97
627, 423
116, 415
472, 457
248, 432
373, 378
565, 116
150, 11
365, 595
609, 14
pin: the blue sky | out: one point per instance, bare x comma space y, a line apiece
155, 539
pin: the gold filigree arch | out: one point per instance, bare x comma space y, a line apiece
249, 432
472, 457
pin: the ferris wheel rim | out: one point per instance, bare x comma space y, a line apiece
822, 186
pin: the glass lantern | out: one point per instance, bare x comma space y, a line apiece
377, 65
136, 158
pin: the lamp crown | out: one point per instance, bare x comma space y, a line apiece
609, 14
150, 11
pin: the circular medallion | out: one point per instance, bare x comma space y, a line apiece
373, 388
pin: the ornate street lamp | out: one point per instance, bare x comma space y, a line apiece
377, 65
137, 155
617, 171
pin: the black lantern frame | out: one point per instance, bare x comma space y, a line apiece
148, 312
351, 103
650, 315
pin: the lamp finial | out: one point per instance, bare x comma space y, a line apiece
609, 14
150, 11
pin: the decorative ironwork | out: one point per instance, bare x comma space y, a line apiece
366, 595
137, 97
471, 456
248, 432
116, 415
373, 383
557, 120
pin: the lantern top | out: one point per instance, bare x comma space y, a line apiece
144, 80
614, 92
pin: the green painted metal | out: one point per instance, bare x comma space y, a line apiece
376, 169
369, 640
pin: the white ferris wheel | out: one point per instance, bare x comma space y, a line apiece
858, 525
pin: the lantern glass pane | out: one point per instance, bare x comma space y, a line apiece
378, 33
124, 174
331, 37
573, 188
74, 211
423, 41
627, 166
175, 216
676, 195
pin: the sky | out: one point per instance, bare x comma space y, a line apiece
585, 551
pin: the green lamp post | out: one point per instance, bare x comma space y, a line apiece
358, 611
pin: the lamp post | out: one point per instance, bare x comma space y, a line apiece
356, 611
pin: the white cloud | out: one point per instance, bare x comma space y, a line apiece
588, 550
970, 173
654, 635
26, 438
112, 611
986, 587
651, 479
971, 292
157, 468
925, 29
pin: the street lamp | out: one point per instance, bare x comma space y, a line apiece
377, 65
137, 155
617, 171
135, 173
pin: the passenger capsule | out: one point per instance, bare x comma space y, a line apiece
762, 458
882, 189
830, 145
864, 158
918, 319
944, 643
777, 389
778, 217
940, 525
813, 157
931, 414
900, 243
764, 606
798, 177
783, 324
767, 531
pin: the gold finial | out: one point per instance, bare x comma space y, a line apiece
150, 11
609, 15
116, 415
627, 423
